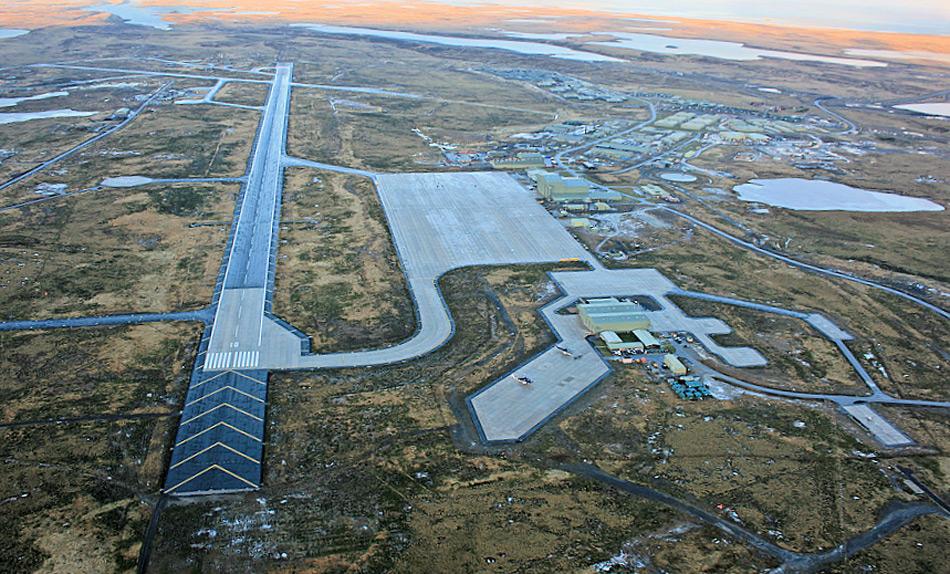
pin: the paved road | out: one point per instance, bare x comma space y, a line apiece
849, 126
792, 562
298, 162
209, 98
87, 143
204, 315
558, 157
237, 335
673, 149
807, 266
827, 329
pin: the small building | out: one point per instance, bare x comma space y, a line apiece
609, 314
524, 160
616, 343
579, 222
647, 338
675, 366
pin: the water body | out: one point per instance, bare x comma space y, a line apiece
718, 49
932, 109
821, 195
898, 55
14, 118
11, 33
10, 102
918, 16
529, 48
133, 13
678, 177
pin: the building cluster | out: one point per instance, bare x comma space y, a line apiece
564, 86
570, 190
621, 325
624, 328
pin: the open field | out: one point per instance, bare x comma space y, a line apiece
915, 550
799, 358
338, 278
35, 141
168, 141
113, 250
789, 471
377, 134
77, 495
244, 94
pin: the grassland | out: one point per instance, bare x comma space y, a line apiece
378, 133
242, 93
338, 277
77, 495
788, 471
112, 251
38, 140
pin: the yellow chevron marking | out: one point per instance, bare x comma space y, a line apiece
216, 425
212, 393
206, 449
221, 406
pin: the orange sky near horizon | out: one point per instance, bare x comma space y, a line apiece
434, 15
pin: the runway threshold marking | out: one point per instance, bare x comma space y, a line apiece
233, 360
206, 449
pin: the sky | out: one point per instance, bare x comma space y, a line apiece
908, 16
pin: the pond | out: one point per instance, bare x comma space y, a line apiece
678, 177
822, 195
17, 117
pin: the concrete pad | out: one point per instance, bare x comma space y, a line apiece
127, 181
827, 328
440, 222
882, 430
508, 410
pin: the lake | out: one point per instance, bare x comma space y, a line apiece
678, 177
822, 195
11, 33
10, 102
17, 117
718, 49
529, 48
